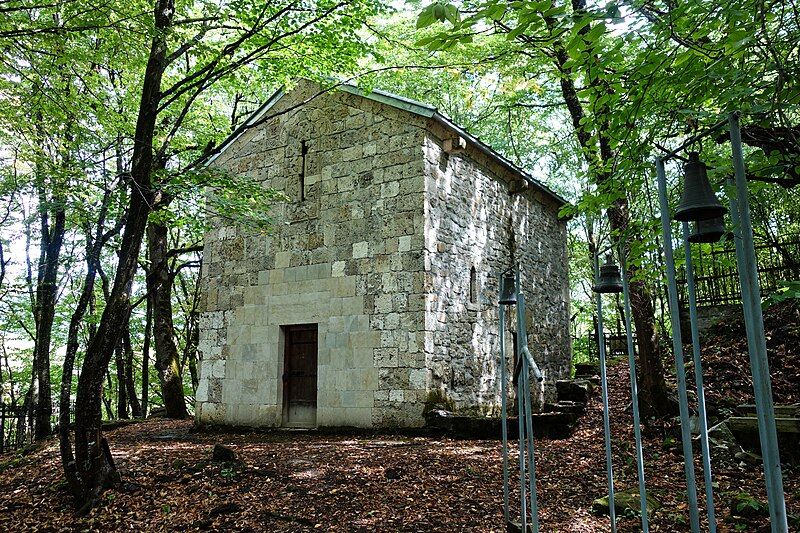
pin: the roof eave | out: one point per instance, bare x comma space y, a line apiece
487, 150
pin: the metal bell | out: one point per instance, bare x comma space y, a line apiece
710, 230
508, 290
610, 280
698, 201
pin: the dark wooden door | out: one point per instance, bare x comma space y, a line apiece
300, 376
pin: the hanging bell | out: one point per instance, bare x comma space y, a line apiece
610, 280
698, 201
710, 230
508, 290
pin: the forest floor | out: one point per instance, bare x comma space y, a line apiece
299, 481
302, 481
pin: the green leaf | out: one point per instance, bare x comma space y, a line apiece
597, 31
451, 14
426, 17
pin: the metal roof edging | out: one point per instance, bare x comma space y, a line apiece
411, 106
254, 117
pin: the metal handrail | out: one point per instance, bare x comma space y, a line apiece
537, 373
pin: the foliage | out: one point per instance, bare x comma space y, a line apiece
746, 505
789, 290
647, 75
71, 78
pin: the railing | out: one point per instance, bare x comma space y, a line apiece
16, 425
717, 279
15, 431
616, 344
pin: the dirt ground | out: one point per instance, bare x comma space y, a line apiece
302, 481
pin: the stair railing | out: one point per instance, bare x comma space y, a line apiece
524, 367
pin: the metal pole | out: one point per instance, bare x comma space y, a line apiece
698, 379
503, 406
525, 385
677, 347
521, 418
523, 512
601, 343
756, 342
637, 429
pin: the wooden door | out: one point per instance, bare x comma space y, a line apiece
300, 376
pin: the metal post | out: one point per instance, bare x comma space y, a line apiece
637, 429
503, 406
525, 385
698, 379
677, 347
521, 414
756, 343
601, 343
523, 512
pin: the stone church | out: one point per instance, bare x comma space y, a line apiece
374, 296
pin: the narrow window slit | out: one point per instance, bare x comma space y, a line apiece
473, 286
303, 152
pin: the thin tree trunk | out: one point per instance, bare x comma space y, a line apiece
191, 349
23, 420
95, 466
105, 395
92, 259
86, 301
127, 348
148, 329
52, 240
192, 331
122, 396
159, 289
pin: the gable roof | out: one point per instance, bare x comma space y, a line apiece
412, 106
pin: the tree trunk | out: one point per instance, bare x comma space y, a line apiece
122, 396
148, 329
105, 396
159, 289
654, 397
599, 156
191, 348
130, 386
95, 470
46, 291
92, 259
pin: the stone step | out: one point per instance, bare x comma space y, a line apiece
745, 431
574, 390
783, 411
552, 425
577, 408
515, 526
750, 424
587, 370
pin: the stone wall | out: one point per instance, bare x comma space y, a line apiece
348, 258
473, 221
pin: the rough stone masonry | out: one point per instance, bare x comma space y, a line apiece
390, 247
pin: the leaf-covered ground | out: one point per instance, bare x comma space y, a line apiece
297, 481
727, 365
